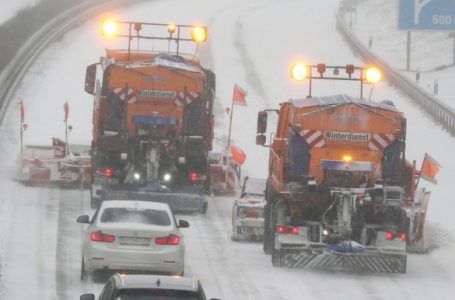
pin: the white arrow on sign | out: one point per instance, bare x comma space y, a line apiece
418, 5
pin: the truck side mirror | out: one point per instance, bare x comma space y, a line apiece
262, 122
260, 140
90, 78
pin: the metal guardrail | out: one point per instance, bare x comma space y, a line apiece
440, 112
14, 72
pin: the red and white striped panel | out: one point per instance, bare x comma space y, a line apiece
121, 92
314, 138
231, 175
379, 141
190, 96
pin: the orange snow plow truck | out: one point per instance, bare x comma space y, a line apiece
340, 193
152, 119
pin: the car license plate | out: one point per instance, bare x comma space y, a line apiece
134, 241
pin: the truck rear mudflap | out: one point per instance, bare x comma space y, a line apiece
368, 261
179, 202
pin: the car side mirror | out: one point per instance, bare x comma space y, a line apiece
183, 224
87, 297
85, 219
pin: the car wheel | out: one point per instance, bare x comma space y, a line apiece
84, 273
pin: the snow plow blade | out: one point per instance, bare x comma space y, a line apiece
369, 261
179, 202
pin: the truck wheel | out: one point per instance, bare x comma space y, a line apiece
204, 208
276, 259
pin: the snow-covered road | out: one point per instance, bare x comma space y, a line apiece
252, 43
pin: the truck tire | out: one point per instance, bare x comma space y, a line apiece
204, 208
276, 259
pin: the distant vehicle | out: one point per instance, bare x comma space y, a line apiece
150, 287
51, 165
224, 173
128, 235
248, 211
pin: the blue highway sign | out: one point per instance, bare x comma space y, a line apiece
434, 15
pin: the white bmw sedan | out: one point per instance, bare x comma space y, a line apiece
129, 235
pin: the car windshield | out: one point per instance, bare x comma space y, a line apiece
156, 294
134, 215
250, 212
255, 186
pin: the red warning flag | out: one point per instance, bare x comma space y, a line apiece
239, 96
238, 155
430, 167
22, 111
66, 110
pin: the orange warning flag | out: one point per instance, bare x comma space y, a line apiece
239, 96
430, 167
238, 155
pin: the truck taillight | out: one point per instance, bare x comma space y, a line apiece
166, 146
400, 235
171, 239
98, 236
193, 177
108, 172
287, 229
389, 236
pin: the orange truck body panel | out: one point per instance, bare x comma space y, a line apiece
153, 87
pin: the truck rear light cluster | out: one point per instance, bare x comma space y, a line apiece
171, 239
108, 172
400, 235
166, 146
98, 236
193, 177
287, 229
